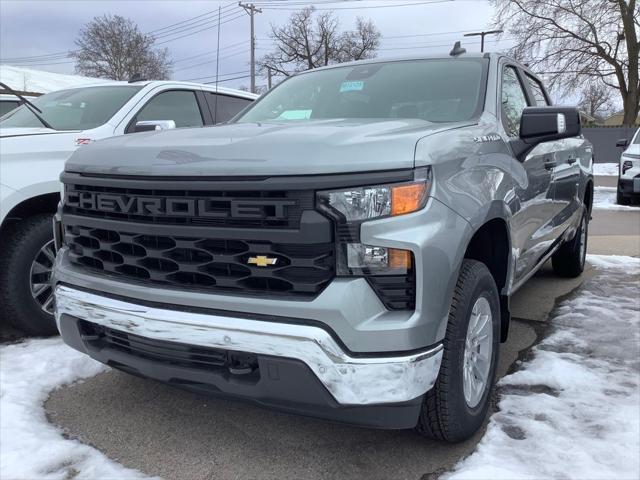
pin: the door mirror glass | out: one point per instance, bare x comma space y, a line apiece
543, 124
150, 125
622, 143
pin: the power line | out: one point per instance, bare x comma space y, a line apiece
211, 61
202, 30
213, 76
205, 22
191, 19
389, 5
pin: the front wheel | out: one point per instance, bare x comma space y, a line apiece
455, 408
26, 294
569, 260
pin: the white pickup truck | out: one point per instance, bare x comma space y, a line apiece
34, 145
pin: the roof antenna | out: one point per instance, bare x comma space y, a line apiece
457, 50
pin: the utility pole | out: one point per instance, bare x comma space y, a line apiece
482, 35
269, 78
251, 10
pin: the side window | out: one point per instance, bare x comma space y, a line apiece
227, 106
538, 93
7, 106
513, 101
180, 106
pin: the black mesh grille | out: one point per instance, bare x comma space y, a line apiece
397, 292
218, 203
210, 263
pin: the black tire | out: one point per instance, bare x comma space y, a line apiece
20, 244
621, 199
445, 413
569, 260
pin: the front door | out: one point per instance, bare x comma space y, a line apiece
532, 221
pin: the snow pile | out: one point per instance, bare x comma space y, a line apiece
604, 198
605, 169
573, 411
31, 446
38, 81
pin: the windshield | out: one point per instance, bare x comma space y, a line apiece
636, 139
76, 109
438, 90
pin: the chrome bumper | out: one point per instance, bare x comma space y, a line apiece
350, 380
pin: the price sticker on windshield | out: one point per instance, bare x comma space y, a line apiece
354, 86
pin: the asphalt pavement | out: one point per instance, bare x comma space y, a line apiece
163, 431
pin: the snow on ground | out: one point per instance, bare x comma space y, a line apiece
32, 448
605, 169
38, 81
604, 198
573, 410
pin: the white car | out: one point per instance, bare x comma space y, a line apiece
629, 172
33, 149
9, 101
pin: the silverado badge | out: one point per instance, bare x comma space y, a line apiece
262, 261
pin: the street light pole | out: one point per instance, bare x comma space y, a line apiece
482, 35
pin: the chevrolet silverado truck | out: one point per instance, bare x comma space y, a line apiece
35, 141
345, 248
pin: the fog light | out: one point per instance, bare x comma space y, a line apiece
374, 260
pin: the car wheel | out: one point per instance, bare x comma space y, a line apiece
27, 259
569, 260
455, 408
621, 199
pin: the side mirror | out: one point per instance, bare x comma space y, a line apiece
544, 124
622, 143
151, 125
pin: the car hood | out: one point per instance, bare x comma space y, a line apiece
24, 142
633, 150
310, 147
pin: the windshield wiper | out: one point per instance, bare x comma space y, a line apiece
32, 108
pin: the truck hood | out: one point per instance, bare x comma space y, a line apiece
310, 147
24, 132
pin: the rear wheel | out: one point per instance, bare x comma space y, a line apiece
569, 260
27, 260
455, 408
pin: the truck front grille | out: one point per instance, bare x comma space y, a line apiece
209, 263
216, 208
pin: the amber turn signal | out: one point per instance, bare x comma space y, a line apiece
408, 198
399, 259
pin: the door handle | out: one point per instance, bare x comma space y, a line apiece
550, 164
571, 161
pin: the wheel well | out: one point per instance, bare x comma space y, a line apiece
47, 203
491, 246
588, 197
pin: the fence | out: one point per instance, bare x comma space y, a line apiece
604, 141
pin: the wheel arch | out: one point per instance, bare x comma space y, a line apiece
44, 203
490, 244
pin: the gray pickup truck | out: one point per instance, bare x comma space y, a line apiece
345, 248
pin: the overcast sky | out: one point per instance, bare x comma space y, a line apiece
37, 28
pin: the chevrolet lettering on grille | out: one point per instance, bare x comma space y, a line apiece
212, 207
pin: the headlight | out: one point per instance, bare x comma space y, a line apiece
353, 206
359, 204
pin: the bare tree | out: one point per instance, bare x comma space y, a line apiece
595, 99
577, 40
309, 41
113, 47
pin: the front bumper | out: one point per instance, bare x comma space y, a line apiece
629, 186
351, 380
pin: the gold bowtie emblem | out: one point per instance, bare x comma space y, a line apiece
262, 261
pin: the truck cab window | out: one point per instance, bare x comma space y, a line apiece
180, 106
513, 101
